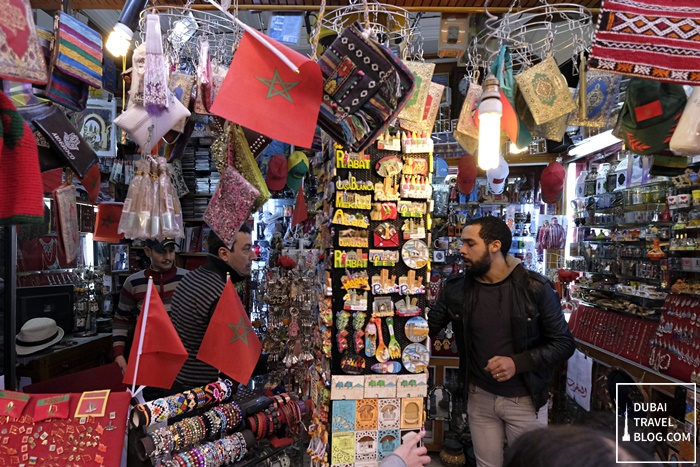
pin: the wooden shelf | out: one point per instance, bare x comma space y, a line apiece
201, 253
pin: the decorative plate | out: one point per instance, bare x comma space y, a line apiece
415, 254
416, 358
416, 329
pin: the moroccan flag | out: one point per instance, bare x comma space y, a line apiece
162, 352
262, 93
107, 222
301, 213
230, 343
91, 182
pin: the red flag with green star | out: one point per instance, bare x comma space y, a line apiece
262, 93
230, 344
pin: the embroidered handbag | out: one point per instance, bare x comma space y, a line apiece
146, 129
64, 199
602, 94
230, 206
429, 114
181, 85
365, 88
59, 142
467, 131
21, 58
422, 75
244, 162
545, 91
552, 130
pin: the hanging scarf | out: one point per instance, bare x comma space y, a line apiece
155, 89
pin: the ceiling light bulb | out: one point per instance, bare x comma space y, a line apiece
516, 150
490, 111
119, 40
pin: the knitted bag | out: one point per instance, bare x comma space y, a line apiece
78, 50
365, 88
20, 180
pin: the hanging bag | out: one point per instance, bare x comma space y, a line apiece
545, 90
66, 207
467, 131
21, 58
244, 162
365, 87
502, 69
601, 94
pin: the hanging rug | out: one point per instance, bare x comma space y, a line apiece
653, 39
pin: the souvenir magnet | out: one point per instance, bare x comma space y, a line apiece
416, 329
415, 254
386, 367
416, 358
353, 364
389, 166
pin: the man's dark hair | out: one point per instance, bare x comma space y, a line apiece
214, 242
492, 229
573, 446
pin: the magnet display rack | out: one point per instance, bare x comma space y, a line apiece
400, 269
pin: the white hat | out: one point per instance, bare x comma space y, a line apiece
37, 334
497, 177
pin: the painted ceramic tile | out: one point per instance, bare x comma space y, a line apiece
347, 387
389, 413
366, 415
380, 386
365, 445
343, 451
411, 385
411, 412
343, 416
389, 440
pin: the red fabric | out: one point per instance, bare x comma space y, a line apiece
55, 448
91, 182
260, 92
301, 213
21, 189
163, 354
230, 333
108, 216
52, 179
651, 39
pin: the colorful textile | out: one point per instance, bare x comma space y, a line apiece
654, 39
79, 51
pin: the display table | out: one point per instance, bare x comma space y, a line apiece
68, 356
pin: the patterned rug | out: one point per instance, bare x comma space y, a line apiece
655, 39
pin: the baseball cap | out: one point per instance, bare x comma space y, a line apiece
650, 115
276, 176
441, 167
497, 177
159, 246
466, 174
298, 166
552, 182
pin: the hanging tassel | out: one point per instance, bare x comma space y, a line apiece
582, 110
155, 89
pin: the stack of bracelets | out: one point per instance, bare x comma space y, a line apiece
223, 451
186, 433
283, 410
160, 410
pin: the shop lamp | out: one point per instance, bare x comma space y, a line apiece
490, 111
119, 39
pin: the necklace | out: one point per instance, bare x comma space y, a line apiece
48, 252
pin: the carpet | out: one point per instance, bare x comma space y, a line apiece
654, 39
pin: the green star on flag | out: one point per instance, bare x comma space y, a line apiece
274, 84
240, 331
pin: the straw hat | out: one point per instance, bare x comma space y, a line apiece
37, 334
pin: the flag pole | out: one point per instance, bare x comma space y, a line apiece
147, 304
257, 35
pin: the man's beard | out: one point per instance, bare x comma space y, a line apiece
479, 267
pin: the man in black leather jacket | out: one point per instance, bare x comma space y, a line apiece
512, 333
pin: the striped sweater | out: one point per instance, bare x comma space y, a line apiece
131, 298
192, 306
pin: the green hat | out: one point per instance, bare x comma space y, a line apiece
650, 115
297, 168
